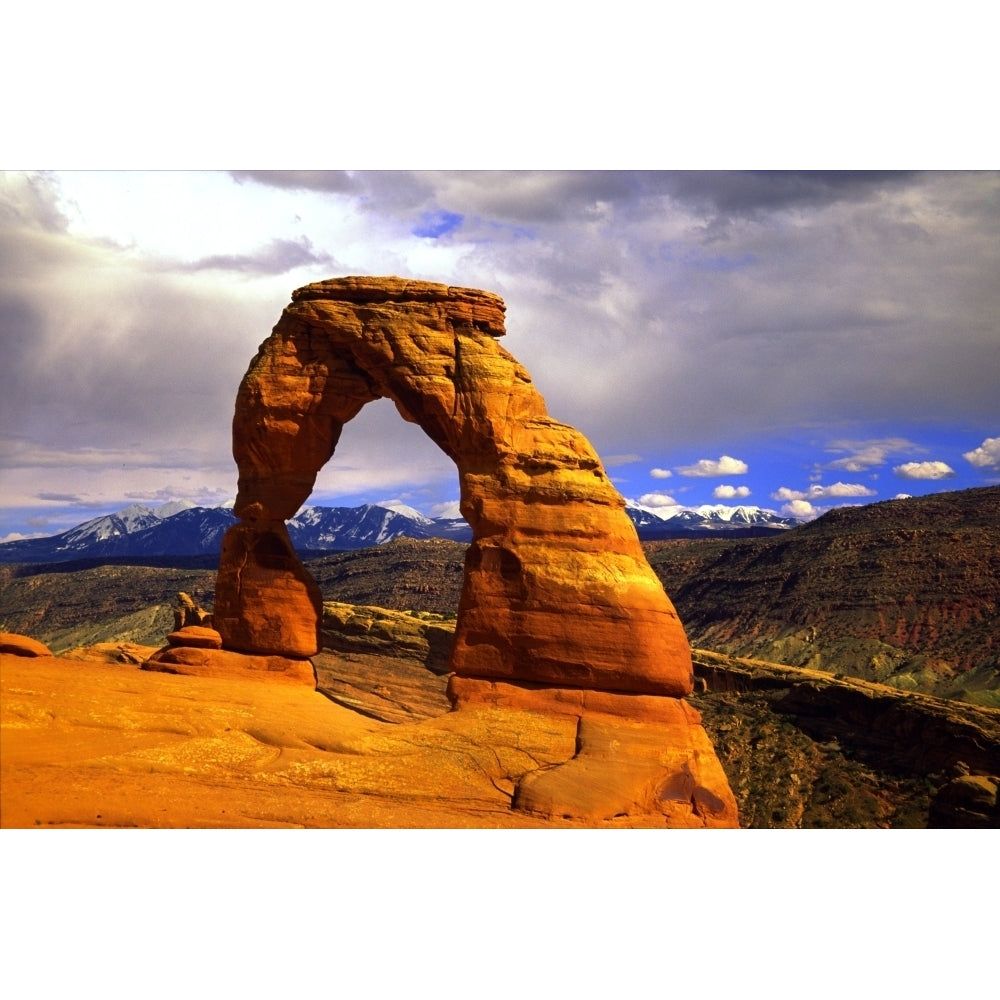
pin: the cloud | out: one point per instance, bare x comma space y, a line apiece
730, 492
655, 500
750, 192
868, 454
613, 461
61, 497
276, 257
799, 508
818, 492
447, 508
924, 470
723, 466
644, 305
986, 456
340, 181
660, 473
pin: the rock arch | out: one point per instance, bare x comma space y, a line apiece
557, 592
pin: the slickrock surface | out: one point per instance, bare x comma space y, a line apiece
389, 665
85, 744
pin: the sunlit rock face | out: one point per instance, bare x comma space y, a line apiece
557, 590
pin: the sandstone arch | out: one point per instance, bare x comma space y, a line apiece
557, 591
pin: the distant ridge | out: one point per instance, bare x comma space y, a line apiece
180, 528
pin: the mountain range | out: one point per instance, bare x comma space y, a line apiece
180, 528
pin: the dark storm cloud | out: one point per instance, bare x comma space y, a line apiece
21, 330
62, 497
510, 196
535, 196
276, 257
879, 303
743, 192
340, 181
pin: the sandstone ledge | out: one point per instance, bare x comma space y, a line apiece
195, 661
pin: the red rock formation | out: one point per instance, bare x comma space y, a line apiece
22, 645
557, 589
560, 612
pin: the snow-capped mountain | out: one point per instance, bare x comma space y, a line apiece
354, 527
182, 529
177, 528
707, 519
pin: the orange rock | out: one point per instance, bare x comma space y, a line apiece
557, 589
22, 645
560, 613
195, 635
199, 662
265, 601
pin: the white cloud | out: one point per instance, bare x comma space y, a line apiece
449, 508
724, 466
869, 453
817, 492
730, 492
986, 456
924, 470
799, 508
903, 496
660, 473
656, 500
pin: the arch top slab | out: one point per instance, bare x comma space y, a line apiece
483, 310
557, 590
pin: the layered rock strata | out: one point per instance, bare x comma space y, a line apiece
559, 612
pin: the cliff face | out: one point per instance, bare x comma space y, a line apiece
802, 748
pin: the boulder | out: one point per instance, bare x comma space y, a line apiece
197, 636
22, 645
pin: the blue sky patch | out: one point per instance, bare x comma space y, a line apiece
436, 224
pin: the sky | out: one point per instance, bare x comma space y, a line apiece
789, 340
